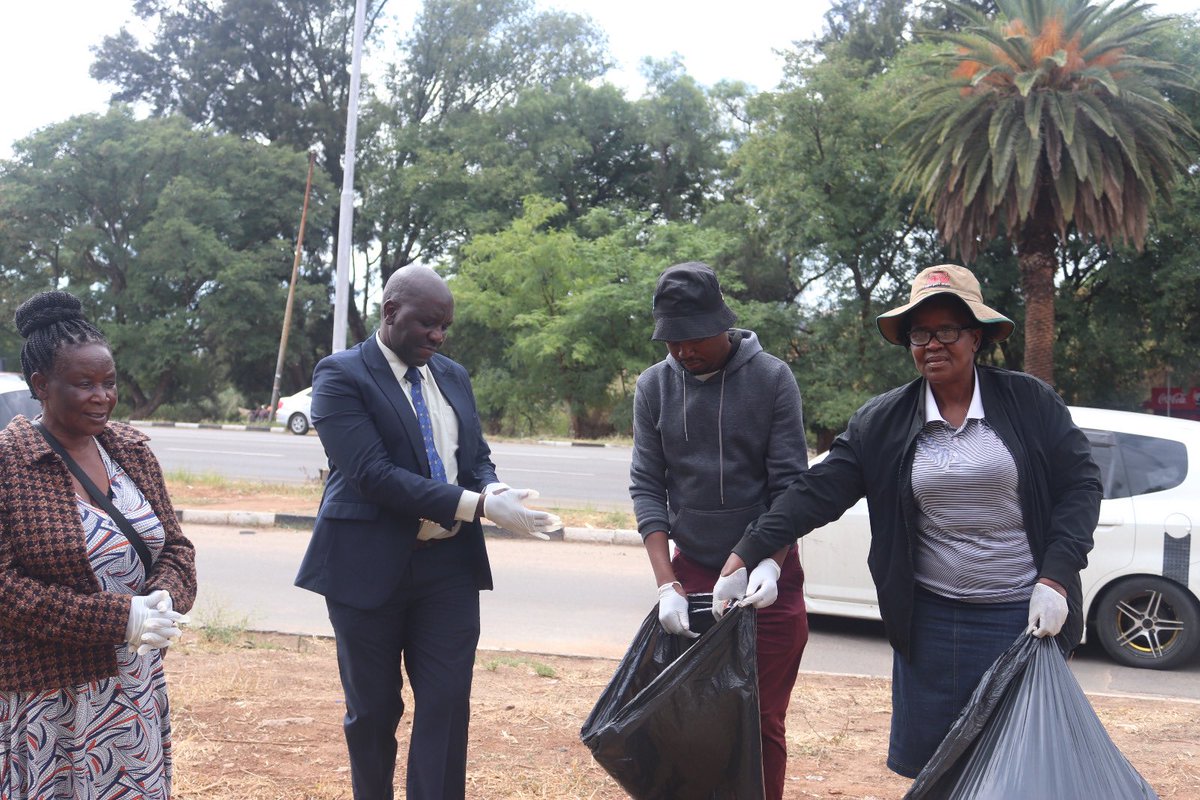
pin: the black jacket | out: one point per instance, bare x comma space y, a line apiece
1058, 483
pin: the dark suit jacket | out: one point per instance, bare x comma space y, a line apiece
379, 486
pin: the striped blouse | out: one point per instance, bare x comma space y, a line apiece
971, 542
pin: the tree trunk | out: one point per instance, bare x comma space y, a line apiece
1035, 256
589, 423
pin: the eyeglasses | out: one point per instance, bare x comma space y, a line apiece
947, 335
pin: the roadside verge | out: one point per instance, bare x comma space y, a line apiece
268, 519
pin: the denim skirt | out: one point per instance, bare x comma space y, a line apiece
953, 644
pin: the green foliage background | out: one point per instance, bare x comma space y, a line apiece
492, 147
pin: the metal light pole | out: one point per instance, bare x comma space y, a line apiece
341, 287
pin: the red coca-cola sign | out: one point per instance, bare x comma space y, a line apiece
1178, 401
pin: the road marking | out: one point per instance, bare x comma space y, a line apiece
507, 470
502, 451
225, 452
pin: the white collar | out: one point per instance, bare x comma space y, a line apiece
974, 411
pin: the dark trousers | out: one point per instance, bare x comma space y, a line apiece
432, 622
782, 634
953, 644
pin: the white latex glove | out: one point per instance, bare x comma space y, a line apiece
505, 510
1047, 611
491, 488
729, 589
153, 622
673, 611
762, 588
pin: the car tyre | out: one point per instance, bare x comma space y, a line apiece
1148, 622
298, 424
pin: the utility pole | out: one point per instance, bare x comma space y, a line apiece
291, 295
346, 210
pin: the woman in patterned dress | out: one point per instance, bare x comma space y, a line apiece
83, 702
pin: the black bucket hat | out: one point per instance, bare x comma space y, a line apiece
688, 304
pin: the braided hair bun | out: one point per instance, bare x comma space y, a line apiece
45, 309
47, 321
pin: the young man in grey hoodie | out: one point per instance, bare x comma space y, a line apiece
718, 433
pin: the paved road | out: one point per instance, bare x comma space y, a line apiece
569, 477
565, 599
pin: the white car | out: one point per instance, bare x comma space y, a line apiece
1141, 589
15, 398
294, 412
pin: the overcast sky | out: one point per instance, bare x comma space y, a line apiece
45, 47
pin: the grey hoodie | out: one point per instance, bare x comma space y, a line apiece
710, 456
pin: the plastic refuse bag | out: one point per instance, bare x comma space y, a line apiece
679, 720
1029, 732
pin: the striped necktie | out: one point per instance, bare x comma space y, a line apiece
436, 469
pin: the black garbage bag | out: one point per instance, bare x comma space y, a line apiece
679, 719
1029, 732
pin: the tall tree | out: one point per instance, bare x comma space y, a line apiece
276, 69
685, 137
870, 32
180, 242
1052, 116
576, 143
816, 171
557, 319
427, 171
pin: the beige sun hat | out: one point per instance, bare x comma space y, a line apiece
945, 279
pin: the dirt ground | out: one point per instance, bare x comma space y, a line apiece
259, 718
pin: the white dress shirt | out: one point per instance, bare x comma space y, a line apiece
445, 438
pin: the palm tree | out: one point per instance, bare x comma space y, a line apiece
1046, 117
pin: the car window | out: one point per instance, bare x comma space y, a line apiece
1131, 464
1108, 457
1153, 464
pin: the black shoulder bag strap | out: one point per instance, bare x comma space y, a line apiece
100, 497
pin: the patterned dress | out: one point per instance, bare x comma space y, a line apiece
105, 739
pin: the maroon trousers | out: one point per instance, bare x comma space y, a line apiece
782, 634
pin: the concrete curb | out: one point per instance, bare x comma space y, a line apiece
273, 428
149, 423
572, 443
268, 519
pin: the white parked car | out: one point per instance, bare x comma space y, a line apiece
15, 398
293, 411
1141, 589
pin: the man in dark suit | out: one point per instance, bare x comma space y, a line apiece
397, 549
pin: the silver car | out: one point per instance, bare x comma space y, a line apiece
1141, 589
293, 411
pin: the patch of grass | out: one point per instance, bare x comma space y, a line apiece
199, 488
539, 669
596, 518
216, 624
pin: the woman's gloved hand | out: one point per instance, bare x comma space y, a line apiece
1047, 611
153, 623
762, 588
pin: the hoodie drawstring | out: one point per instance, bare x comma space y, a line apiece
683, 377
721, 438
720, 432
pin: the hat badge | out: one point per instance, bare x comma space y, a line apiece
937, 278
